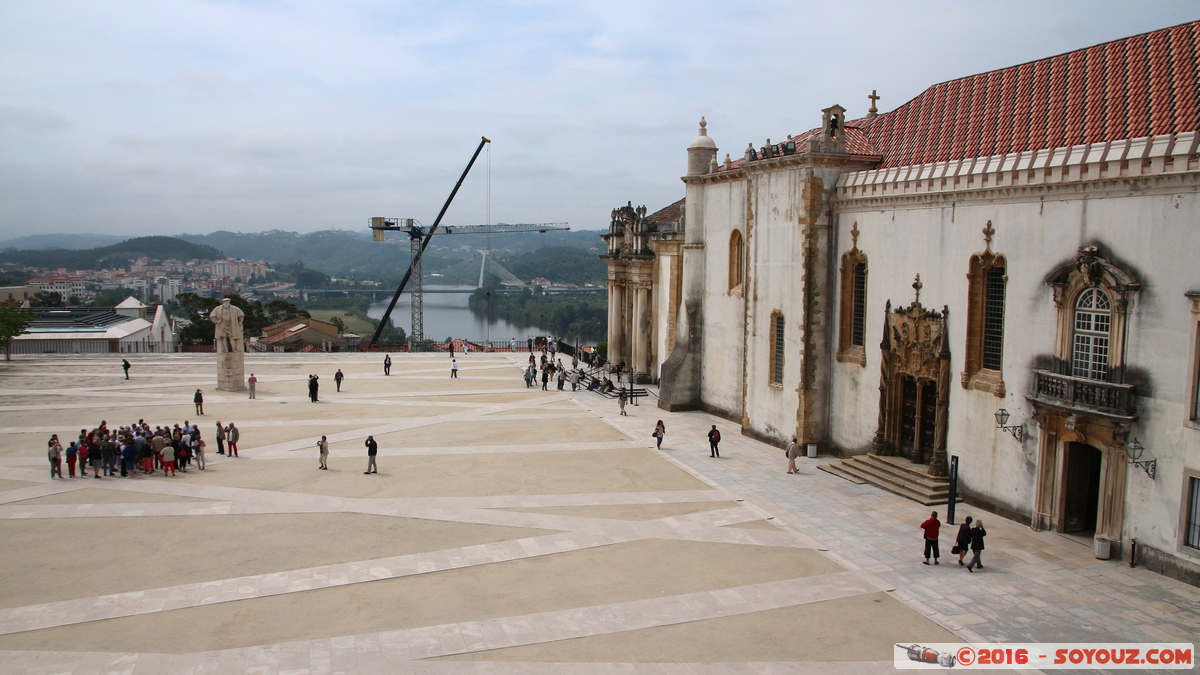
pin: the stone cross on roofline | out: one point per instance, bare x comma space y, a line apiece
873, 111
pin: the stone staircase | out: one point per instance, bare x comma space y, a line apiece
894, 474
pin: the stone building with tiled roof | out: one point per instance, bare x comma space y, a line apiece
1001, 271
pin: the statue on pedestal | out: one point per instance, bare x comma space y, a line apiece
231, 358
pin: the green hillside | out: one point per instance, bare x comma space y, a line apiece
117, 255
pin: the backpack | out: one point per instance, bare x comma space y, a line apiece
716, 436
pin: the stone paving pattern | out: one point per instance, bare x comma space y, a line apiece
509, 530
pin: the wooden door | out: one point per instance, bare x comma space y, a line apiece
929, 395
1082, 489
908, 417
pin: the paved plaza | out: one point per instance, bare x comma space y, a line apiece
509, 530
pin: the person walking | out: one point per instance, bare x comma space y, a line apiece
198, 399
323, 447
575, 380
337, 379
792, 452
232, 435
453, 369
250, 383
529, 376
977, 535
931, 527
714, 442
621, 399
387, 364
125, 367
660, 430
562, 378
54, 452
372, 450
962, 540
220, 438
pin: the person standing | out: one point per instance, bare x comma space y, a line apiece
453, 369
962, 540
323, 447
313, 388
54, 452
198, 447
168, 458
792, 452
337, 379
660, 430
562, 378
451, 343
158, 445
977, 535
125, 367
220, 438
714, 442
546, 376
251, 383
198, 399
575, 380
372, 450
232, 435
931, 527
72, 457
621, 402
529, 342
512, 345
387, 364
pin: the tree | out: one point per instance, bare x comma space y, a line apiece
51, 299
13, 322
196, 309
337, 321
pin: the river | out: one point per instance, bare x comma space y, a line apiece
447, 315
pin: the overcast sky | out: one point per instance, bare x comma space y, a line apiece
175, 116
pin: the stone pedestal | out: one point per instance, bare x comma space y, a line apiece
231, 371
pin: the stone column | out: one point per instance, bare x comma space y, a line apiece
616, 321
640, 338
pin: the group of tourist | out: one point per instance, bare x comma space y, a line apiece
128, 451
968, 539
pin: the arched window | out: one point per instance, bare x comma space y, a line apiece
737, 257
1092, 333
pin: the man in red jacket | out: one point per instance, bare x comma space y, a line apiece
931, 527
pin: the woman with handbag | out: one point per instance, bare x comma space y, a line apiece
962, 541
660, 430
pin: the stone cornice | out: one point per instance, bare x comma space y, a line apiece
835, 160
1081, 189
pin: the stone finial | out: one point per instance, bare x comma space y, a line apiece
712, 164
987, 234
750, 154
873, 111
917, 286
703, 126
728, 162
854, 236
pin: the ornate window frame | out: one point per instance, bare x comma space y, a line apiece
850, 350
737, 261
1091, 269
975, 374
777, 349
1192, 415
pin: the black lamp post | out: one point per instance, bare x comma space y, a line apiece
1018, 432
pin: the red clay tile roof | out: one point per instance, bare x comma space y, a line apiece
668, 215
1144, 85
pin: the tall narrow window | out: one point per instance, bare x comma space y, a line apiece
987, 276
1089, 348
777, 326
858, 329
737, 257
1192, 522
852, 306
993, 318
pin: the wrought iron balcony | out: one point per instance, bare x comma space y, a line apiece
1084, 396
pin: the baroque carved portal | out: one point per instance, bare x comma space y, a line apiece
914, 385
